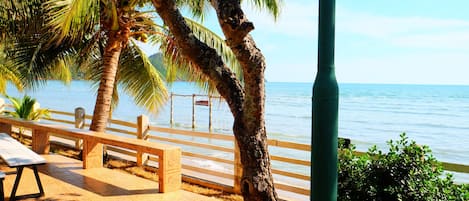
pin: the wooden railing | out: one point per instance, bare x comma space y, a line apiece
195, 145
169, 157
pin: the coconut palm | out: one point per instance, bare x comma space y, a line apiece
103, 34
13, 14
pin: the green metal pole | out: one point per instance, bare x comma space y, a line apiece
325, 111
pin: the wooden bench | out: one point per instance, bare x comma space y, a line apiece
169, 157
18, 156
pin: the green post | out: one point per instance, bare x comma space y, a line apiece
325, 111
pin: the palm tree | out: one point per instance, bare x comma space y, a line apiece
13, 14
246, 99
26, 108
101, 36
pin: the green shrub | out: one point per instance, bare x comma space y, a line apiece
406, 172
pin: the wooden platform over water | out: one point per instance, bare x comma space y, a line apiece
64, 179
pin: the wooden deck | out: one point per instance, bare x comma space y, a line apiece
64, 179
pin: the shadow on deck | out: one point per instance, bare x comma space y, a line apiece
64, 179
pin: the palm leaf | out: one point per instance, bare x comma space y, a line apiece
8, 72
36, 63
140, 79
38, 114
271, 6
135, 76
71, 20
61, 69
15, 15
198, 8
213, 40
178, 67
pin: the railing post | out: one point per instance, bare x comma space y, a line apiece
36, 106
79, 123
4, 128
171, 114
193, 110
2, 105
238, 169
143, 125
210, 113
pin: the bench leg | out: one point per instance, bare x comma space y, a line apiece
19, 172
92, 154
40, 141
38, 181
169, 171
2, 194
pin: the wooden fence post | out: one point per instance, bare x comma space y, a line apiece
143, 125
2, 105
171, 114
193, 110
210, 113
4, 128
238, 169
79, 123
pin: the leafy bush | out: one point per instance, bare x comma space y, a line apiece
406, 172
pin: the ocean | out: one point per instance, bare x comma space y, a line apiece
369, 114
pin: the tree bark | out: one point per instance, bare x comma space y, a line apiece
247, 105
106, 85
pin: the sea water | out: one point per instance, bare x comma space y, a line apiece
369, 114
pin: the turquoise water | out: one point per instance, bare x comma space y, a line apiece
437, 116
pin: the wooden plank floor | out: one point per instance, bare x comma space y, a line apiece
64, 179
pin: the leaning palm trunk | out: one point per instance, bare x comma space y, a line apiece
106, 86
246, 104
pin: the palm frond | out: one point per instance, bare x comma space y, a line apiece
61, 69
71, 20
273, 7
213, 40
35, 62
16, 15
140, 79
8, 72
14, 101
178, 67
39, 113
198, 8
22, 107
136, 76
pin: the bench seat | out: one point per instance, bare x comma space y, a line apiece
18, 156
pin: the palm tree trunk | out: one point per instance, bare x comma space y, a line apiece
247, 105
106, 86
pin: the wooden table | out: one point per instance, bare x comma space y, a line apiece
18, 156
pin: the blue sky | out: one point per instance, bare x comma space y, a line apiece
377, 41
